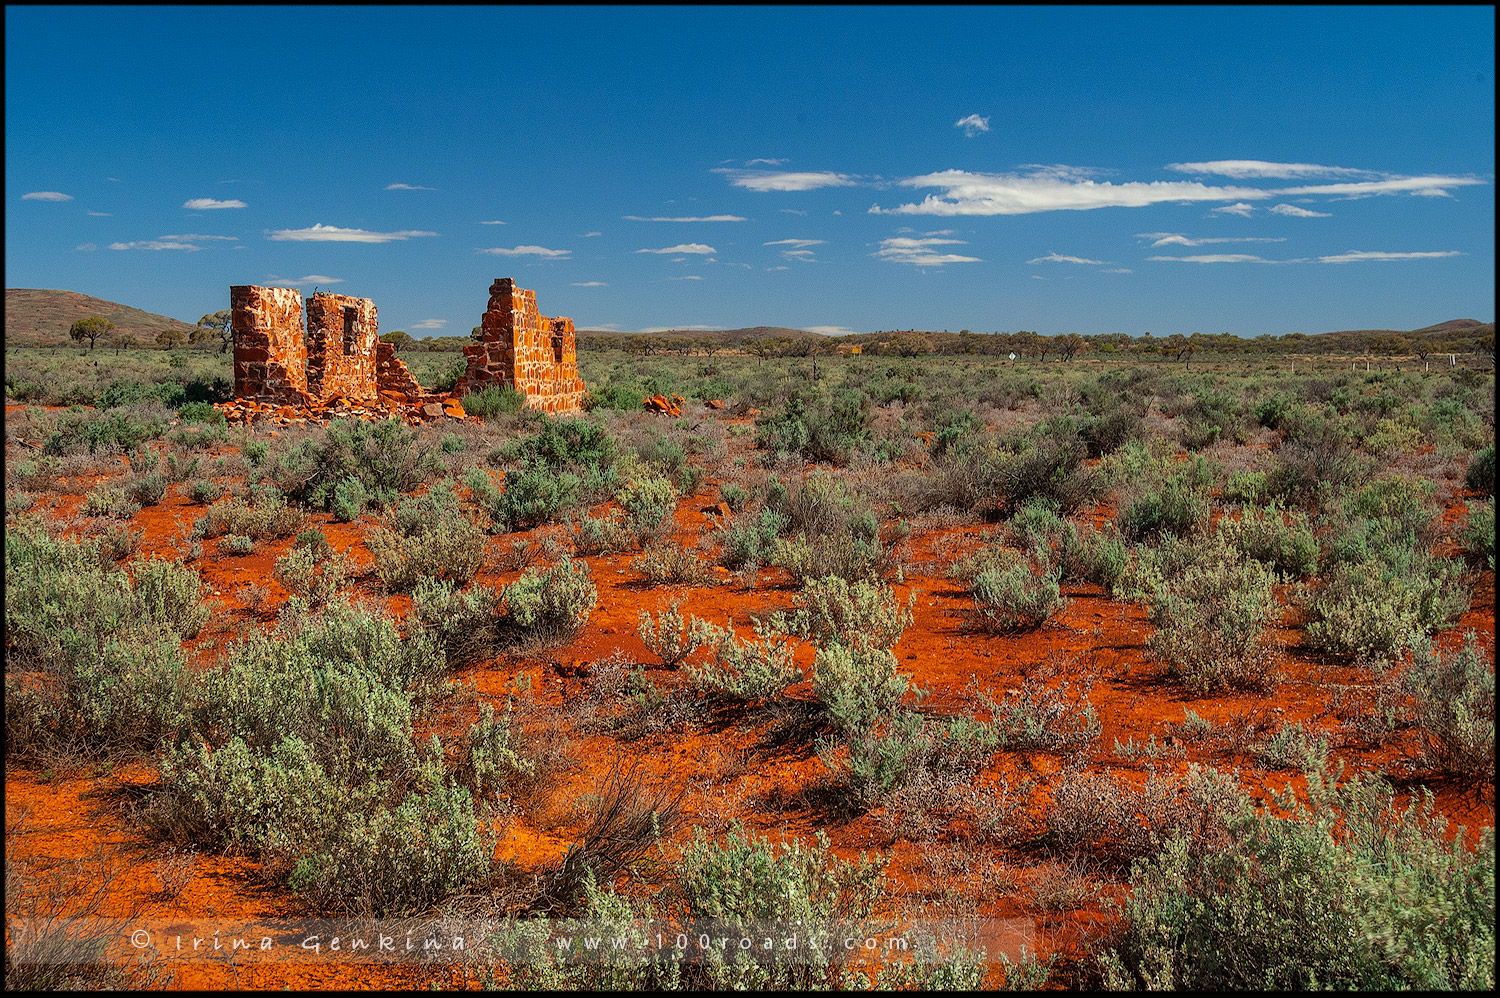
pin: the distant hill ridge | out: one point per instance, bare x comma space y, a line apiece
41, 317
746, 333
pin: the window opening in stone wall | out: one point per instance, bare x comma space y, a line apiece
557, 349
351, 319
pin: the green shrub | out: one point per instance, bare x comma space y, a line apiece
1281, 541
649, 504
205, 490
1016, 594
1480, 476
670, 563
1372, 611
462, 623
552, 604
862, 614
1348, 892
1292, 747
427, 535
748, 670
148, 489
1478, 533
236, 544
387, 458
201, 412
534, 497
1175, 506
565, 443
842, 554
667, 635
351, 497
1037, 717
107, 500
494, 400
831, 428
1453, 700
605, 534
1213, 624
1097, 556
103, 429
1245, 487
496, 756
857, 685
750, 540
269, 517
1404, 499
313, 574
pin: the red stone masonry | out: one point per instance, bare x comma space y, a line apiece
342, 334
270, 355
519, 347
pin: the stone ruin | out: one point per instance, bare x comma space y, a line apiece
338, 363
536, 354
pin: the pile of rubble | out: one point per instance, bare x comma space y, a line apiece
413, 409
671, 405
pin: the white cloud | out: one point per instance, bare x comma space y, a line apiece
46, 196
1244, 169
408, 187
793, 211
768, 162
317, 279
430, 324
528, 251
320, 233
1292, 211
1424, 186
967, 193
194, 238
1059, 258
492, 223
830, 330
767, 180
682, 248
778, 268
799, 243
154, 244
102, 214
1216, 258
210, 204
972, 125
1357, 256
1177, 239
1241, 209
589, 284
87, 247
704, 218
919, 252
1119, 270
686, 277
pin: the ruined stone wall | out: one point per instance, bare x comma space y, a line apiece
270, 355
342, 334
519, 347
392, 378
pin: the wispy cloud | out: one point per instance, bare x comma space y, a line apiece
155, 244
830, 330
430, 324
701, 218
195, 238
1177, 239
492, 223
686, 277
798, 243
87, 247
313, 279
589, 284
46, 196
972, 125
1245, 169
768, 180
1422, 186
542, 251
768, 162
320, 233
920, 252
967, 193
1118, 270
682, 248
1359, 256
673, 329
1292, 211
792, 211
1241, 209
1059, 258
408, 187
1218, 258
212, 204
102, 214
590, 235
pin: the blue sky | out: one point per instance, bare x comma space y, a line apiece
1092, 170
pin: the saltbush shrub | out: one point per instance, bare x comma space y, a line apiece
1213, 623
551, 604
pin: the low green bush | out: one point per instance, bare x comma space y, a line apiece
551, 604
649, 503
1017, 593
1480, 475
1478, 533
863, 614
667, 635
1281, 541
1453, 709
1348, 892
427, 535
743, 670
1213, 623
494, 400
1373, 610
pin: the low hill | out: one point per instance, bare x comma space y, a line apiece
38, 317
720, 335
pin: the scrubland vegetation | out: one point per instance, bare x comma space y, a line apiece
850, 647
